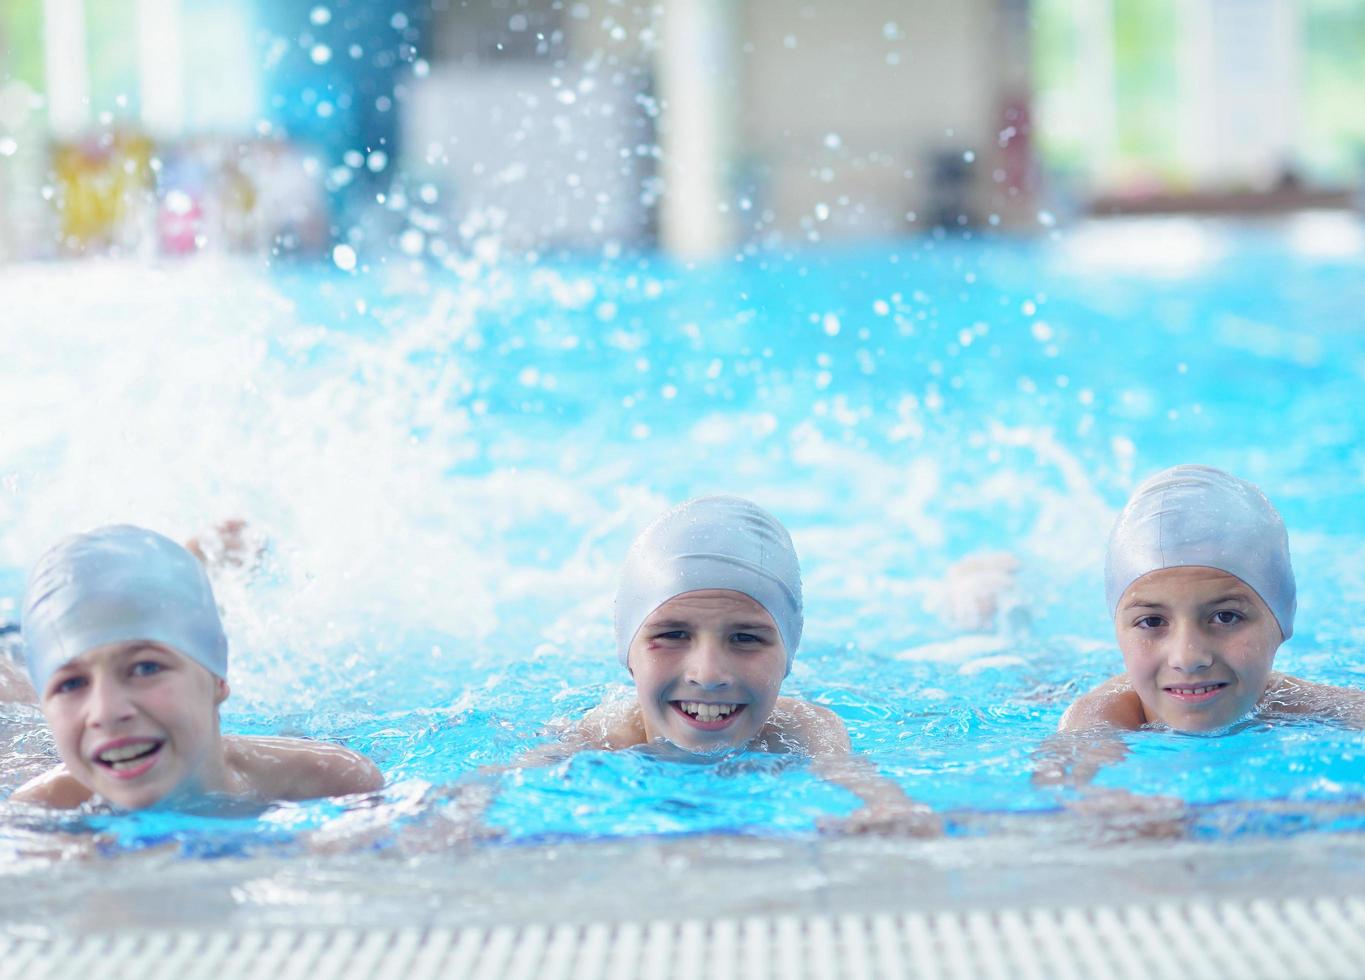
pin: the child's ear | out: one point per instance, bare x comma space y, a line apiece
222, 690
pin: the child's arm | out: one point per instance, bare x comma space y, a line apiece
295, 769
14, 686
821, 733
1291, 695
1086, 739
1114, 704
55, 788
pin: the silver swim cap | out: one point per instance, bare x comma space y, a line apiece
711, 543
1197, 515
116, 584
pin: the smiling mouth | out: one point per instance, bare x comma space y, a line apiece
707, 716
1194, 693
130, 759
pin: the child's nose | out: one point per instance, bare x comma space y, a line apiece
108, 703
709, 665
1189, 650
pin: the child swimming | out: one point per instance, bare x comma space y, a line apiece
708, 618
1202, 594
127, 654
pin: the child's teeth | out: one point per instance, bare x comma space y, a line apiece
707, 712
123, 753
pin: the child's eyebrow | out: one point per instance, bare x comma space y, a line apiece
752, 627
1144, 604
1230, 597
671, 624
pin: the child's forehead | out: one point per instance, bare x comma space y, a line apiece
1186, 583
110, 653
713, 604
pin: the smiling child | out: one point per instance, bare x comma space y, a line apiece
708, 620
127, 654
1202, 594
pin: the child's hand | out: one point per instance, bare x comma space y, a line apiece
901, 819
979, 593
230, 544
1123, 815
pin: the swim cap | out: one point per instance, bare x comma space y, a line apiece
711, 543
1197, 515
116, 584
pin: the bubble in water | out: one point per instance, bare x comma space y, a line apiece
344, 258
1042, 332
377, 161
891, 30
412, 242
881, 307
320, 15
822, 212
969, 156
8, 147
399, 21
1046, 219
428, 193
321, 54
832, 325
833, 141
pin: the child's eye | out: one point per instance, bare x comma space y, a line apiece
1150, 623
671, 635
68, 684
1227, 617
145, 668
746, 638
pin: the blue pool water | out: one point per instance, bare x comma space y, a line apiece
449, 463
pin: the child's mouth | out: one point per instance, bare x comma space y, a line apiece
706, 716
131, 759
1195, 693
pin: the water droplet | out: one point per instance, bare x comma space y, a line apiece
320, 15
343, 256
321, 54
412, 242
833, 141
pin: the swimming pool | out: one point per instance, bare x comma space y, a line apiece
450, 461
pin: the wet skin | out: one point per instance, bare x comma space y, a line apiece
137, 724
707, 668
1198, 645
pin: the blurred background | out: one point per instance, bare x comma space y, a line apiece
695, 127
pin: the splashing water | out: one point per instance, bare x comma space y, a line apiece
450, 462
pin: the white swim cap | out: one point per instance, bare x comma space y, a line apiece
1197, 515
711, 543
116, 584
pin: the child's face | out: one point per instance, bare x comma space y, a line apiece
1198, 645
707, 668
137, 722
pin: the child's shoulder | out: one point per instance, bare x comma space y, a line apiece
56, 788
297, 769
1292, 695
1113, 704
801, 726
